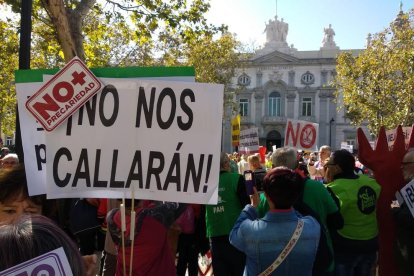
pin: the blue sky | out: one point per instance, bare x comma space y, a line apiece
351, 20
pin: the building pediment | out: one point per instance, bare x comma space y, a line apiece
275, 57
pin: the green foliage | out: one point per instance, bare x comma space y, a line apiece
130, 33
8, 63
377, 85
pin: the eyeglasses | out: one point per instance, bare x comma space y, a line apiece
406, 163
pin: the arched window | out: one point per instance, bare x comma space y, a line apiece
274, 104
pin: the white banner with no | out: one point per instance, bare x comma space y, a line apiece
150, 134
301, 135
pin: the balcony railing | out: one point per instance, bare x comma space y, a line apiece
274, 120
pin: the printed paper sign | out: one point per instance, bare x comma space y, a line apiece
52, 263
350, 148
141, 133
407, 193
249, 141
301, 135
65, 93
235, 130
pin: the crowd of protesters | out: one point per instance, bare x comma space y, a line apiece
286, 213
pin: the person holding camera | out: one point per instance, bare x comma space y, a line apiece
283, 242
314, 200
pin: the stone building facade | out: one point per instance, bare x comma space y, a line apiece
279, 82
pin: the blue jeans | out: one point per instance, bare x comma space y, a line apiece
355, 265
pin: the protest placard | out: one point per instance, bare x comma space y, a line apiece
407, 194
346, 146
235, 130
249, 141
392, 134
63, 94
301, 135
33, 136
52, 263
151, 134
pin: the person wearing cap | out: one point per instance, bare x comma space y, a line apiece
265, 240
356, 244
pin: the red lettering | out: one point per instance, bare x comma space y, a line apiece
307, 136
58, 87
78, 78
292, 132
49, 105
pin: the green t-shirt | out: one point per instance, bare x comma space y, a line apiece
357, 202
220, 218
315, 195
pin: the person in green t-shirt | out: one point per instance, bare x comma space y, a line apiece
220, 218
356, 244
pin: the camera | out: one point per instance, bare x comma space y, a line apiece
249, 181
254, 179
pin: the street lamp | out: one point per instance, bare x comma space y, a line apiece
330, 131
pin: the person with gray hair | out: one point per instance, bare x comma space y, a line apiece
316, 201
286, 157
220, 218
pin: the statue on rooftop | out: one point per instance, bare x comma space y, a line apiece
328, 40
276, 31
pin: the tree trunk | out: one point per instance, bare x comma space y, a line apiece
59, 18
68, 25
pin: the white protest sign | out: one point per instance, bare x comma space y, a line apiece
407, 193
52, 263
301, 135
141, 133
392, 135
33, 134
249, 141
350, 148
62, 95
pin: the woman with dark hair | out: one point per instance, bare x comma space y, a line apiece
30, 236
265, 240
15, 200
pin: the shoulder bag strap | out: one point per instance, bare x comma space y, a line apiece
288, 248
